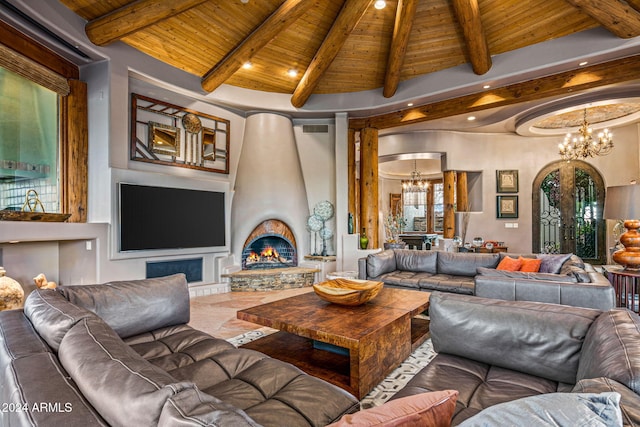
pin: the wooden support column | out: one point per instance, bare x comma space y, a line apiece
462, 194
351, 178
430, 214
448, 223
369, 185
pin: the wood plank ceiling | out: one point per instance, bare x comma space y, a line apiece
339, 46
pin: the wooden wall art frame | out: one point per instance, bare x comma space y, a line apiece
507, 206
507, 181
168, 134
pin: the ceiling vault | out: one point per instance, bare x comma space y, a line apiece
405, 13
346, 45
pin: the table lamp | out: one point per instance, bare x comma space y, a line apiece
623, 202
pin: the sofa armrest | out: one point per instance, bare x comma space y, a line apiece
599, 294
508, 333
362, 268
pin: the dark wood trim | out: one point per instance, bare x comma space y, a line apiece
31, 49
568, 82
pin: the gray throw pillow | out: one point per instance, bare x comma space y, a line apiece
553, 409
552, 263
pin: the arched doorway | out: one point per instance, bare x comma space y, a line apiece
568, 199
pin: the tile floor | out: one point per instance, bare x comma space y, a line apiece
216, 314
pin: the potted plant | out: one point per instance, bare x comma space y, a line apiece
393, 226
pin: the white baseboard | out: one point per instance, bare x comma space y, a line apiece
208, 289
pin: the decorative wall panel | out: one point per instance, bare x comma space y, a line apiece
167, 134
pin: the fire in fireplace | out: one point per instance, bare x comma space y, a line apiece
270, 245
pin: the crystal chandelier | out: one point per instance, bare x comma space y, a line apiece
416, 184
584, 144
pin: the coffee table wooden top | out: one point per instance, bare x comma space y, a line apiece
309, 316
378, 335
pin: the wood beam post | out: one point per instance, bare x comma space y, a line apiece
615, 15
402, 28
468, 14
430, 214
134, 17
449, 188
74, 154
462, 193
347, 19
277, 22
369, 185
351, 177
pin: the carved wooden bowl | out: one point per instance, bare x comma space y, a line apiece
348, 291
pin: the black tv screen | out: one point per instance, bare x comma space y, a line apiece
170, 218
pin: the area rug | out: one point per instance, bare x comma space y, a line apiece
390, 385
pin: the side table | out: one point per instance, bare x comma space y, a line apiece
627, 286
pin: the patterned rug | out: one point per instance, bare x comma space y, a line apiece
390, 385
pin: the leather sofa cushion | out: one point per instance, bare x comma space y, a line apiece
544, 340
52, 315
135, 306
465, 264
380, 263
629, 401
123, 387
479, 385
284, 396
406, 279
612, 349
418, 261
448, 283
178, 346
492, 272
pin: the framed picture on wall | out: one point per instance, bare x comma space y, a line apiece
507, 206
507, 181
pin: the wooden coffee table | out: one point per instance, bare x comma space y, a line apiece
352, 347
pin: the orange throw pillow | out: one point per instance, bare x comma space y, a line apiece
433, 409
509, 264
530, 265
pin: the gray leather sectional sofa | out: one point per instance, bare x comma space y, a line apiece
572, 281
517, 354
122, 354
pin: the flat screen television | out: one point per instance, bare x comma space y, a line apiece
170, 218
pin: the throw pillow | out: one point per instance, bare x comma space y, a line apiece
509, 264
530, 265
552, 263
553, 409
425, 409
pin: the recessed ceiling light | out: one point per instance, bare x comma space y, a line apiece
471, 118
292, 72
486, 86
247, 65
380, 4
583, 63
410, 104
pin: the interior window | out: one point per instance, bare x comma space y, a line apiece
29, 141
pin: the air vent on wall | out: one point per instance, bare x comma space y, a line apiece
315, 128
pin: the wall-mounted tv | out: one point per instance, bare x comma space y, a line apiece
170, 218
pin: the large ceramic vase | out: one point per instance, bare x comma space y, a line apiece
364, 240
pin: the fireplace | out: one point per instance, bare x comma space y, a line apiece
270, 245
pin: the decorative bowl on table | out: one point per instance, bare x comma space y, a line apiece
350, 292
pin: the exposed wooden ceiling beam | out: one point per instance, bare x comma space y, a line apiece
349, 16
278, 21
134, 17
608, 73
614, 15
468, 15
402, 28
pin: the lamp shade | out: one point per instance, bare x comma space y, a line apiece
622, 202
